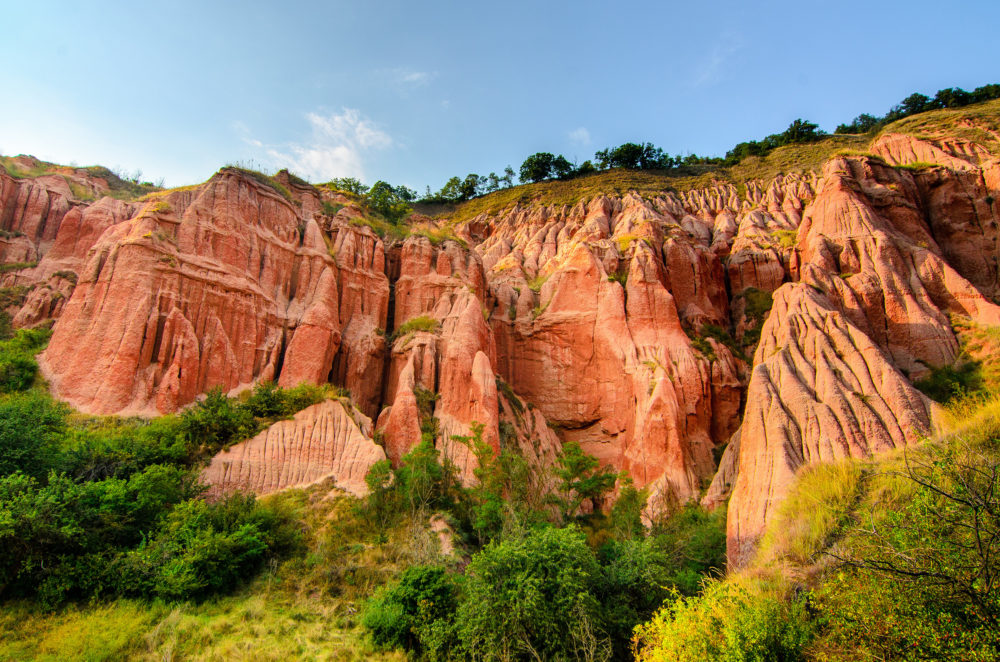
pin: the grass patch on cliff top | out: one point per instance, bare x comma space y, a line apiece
261, 178
976, 123
121, 188
796, 158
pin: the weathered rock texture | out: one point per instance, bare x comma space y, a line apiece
321, 442
624, 323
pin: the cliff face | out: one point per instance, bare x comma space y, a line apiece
626, 323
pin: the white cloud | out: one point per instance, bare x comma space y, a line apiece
580, 136
405, 79
710, 69
338, 146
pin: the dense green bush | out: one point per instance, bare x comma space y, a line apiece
949, 382
533, 598
144, 536
60, 536
730, 622
203, 548
923, 577
17, 363
98, 448
31, 427
217, 421
411, 613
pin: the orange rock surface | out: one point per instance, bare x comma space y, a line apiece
626, 323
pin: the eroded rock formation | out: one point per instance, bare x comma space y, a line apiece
783, 322
325, 441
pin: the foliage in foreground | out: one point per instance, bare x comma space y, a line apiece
549, 580
98, 507
896, 559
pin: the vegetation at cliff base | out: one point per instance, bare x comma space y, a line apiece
93, 507
887, 559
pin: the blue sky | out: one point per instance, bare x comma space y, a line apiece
416, 92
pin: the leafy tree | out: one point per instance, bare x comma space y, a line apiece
471, 186
492, 183
31, 426
537, 167
562, 168
505, 496
580, 477
626, 514
986, 93
408, 615
915, 103
634, 584
381, 502
801, 131
532, 598
508, 177
634, 156
952, 97
392, 202
349, 185
422, 479
863, 123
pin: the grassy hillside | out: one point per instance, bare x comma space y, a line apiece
787, 159
977, 123
865, 560
304, 607
120, 187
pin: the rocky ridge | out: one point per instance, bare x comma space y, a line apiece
643, 328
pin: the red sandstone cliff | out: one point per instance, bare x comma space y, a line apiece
621, 322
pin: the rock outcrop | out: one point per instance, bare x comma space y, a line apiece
322, 442
734, 332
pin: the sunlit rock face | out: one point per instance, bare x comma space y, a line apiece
628, 324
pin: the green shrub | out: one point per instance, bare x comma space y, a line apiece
729, 622
786, 238
419, 323
403, 615
98, 448
579, 477
949, 382
17, 372
61, 537
216, 422
205, 548
31, 425
692, 542
635, 576
531, 599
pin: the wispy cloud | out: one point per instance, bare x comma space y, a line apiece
710, 70
405, 79
338, 146
580, 136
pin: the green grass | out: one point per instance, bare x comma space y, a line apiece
439, 235
787, 239
535, 284
16, 266
304, 607
382, 227
80, 192
651, 183
976, 123
262, 178
119, 187
419, 323
811, 516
